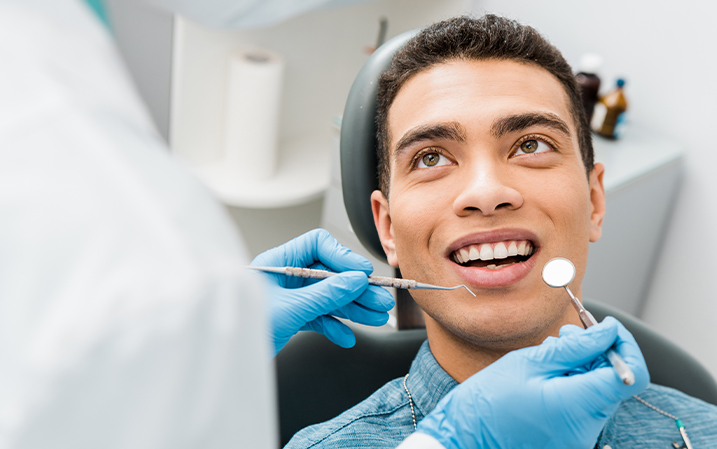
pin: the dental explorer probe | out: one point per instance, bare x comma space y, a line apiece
373, 280
558, 273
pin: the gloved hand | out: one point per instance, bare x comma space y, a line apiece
308, 304
559, 394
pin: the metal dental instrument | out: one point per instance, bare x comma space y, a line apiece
373, 280
558, 273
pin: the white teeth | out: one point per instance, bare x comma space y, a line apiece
486, 252
500, 251
491, 266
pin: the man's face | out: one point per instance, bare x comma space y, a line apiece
487, 184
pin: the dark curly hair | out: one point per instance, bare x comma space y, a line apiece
469, 38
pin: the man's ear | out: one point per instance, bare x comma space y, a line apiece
597, 201
382, 220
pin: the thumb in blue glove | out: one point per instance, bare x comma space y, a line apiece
555, 395
308, 304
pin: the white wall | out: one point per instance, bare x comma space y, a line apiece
666, 51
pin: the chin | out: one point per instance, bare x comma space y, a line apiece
498, 326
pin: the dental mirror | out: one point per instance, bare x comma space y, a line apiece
558, 272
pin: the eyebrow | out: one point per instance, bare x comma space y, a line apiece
442, 131
519, 122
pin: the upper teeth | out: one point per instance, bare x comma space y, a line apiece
490, 251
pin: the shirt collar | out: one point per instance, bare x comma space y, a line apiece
427, 381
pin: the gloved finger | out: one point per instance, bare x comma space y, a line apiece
321, 266
308, 281
320, 246
598, 388
361, 315
567, 330
600, 385
333, 329
575, 348
376, 298
625, 345
330, 294
297, 282
274, 257
336, 256
570, 329
630, 351
598, 362
277, 257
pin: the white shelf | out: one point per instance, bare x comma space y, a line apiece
302, 175
640, 151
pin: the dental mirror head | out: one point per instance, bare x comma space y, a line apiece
558, 272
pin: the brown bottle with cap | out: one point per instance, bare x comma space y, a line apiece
589, 82
609, 116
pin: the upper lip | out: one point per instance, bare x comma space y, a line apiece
497, 235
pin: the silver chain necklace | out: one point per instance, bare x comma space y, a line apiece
680, 426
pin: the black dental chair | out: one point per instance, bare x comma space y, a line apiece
318, 380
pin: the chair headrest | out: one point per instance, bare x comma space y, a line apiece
358, 144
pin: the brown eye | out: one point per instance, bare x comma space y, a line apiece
529, 146
435, 159
430, 159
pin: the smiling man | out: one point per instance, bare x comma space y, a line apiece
485, 152
486, 173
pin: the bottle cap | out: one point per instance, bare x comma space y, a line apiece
590, 63
620, 82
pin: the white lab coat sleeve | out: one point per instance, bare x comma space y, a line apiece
420, 440
241, 14
126, 320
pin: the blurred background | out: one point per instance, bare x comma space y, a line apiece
655, 258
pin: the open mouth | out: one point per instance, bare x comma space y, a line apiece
495, 255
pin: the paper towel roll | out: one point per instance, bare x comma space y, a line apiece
251, 123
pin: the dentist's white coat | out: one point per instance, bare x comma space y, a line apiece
126, 320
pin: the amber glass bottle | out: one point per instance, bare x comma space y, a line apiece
609, 116
589, 82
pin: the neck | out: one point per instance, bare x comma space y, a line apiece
462, 358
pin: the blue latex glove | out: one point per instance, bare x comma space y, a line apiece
308, 304
559, 394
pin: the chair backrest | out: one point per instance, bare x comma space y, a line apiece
358, 144
318, 380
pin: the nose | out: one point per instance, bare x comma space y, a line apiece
487, 190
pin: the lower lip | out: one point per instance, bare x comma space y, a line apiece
487, 278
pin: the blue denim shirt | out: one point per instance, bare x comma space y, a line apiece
384, 419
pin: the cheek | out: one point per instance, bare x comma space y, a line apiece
568, 208
407, 226
413, 219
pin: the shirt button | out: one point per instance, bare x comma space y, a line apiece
607, 446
